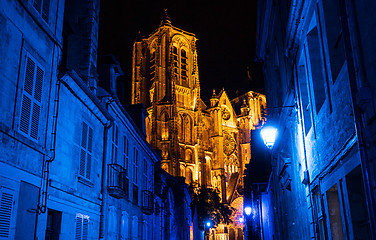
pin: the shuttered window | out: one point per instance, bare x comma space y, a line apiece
43, 8
82, 227
31, 99
6, 206
86, 150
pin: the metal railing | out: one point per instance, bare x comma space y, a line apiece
118, 183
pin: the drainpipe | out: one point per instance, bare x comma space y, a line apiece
353, 56
102, 223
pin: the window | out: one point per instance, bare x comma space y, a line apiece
152, 65
82, 227
53, 224
112, 223
318, 215
334, 36
125, 155
31, 99
6, 209
115, 144
316, 66
134, 228
86, 148
184, 68
304, 93
135, 176
146, 174
43, 8
180, 66
145, 230
135, 165
124, 230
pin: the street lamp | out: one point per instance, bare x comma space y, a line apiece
248, 210
269, 135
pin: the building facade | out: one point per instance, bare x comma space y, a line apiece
75, 162
319, 77
209, 145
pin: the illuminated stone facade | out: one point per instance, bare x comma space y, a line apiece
208, 144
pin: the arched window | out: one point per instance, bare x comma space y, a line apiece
112, 222
180, 66
164, 126
187, 129
124, 230
134, 228
188, 176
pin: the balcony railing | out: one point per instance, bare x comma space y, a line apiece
147, 202
118, 183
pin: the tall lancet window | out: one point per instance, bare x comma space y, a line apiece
152, 65
176, 60
180, 66
184, 68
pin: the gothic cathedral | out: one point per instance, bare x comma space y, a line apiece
207, 143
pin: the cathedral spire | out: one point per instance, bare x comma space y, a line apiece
166, 20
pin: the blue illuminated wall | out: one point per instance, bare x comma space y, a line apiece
319, 61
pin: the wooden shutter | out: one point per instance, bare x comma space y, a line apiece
85, 229
86, 150
82, 227
78, 228
31, 99
6, 206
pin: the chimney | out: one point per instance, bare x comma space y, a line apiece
138, 114
109, 70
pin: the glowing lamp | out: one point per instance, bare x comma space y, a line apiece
241, 219
248, 210
269, 135
208, 224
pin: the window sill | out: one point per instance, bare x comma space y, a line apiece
85, 181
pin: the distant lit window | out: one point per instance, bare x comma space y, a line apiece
43, 8
82, 227
86, 150
31, 99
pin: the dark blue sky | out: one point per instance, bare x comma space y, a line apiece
226, 33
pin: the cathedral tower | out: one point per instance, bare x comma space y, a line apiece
208, 144
165, 80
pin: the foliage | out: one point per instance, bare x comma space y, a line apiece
209, 206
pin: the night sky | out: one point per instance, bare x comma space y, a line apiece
226, 38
